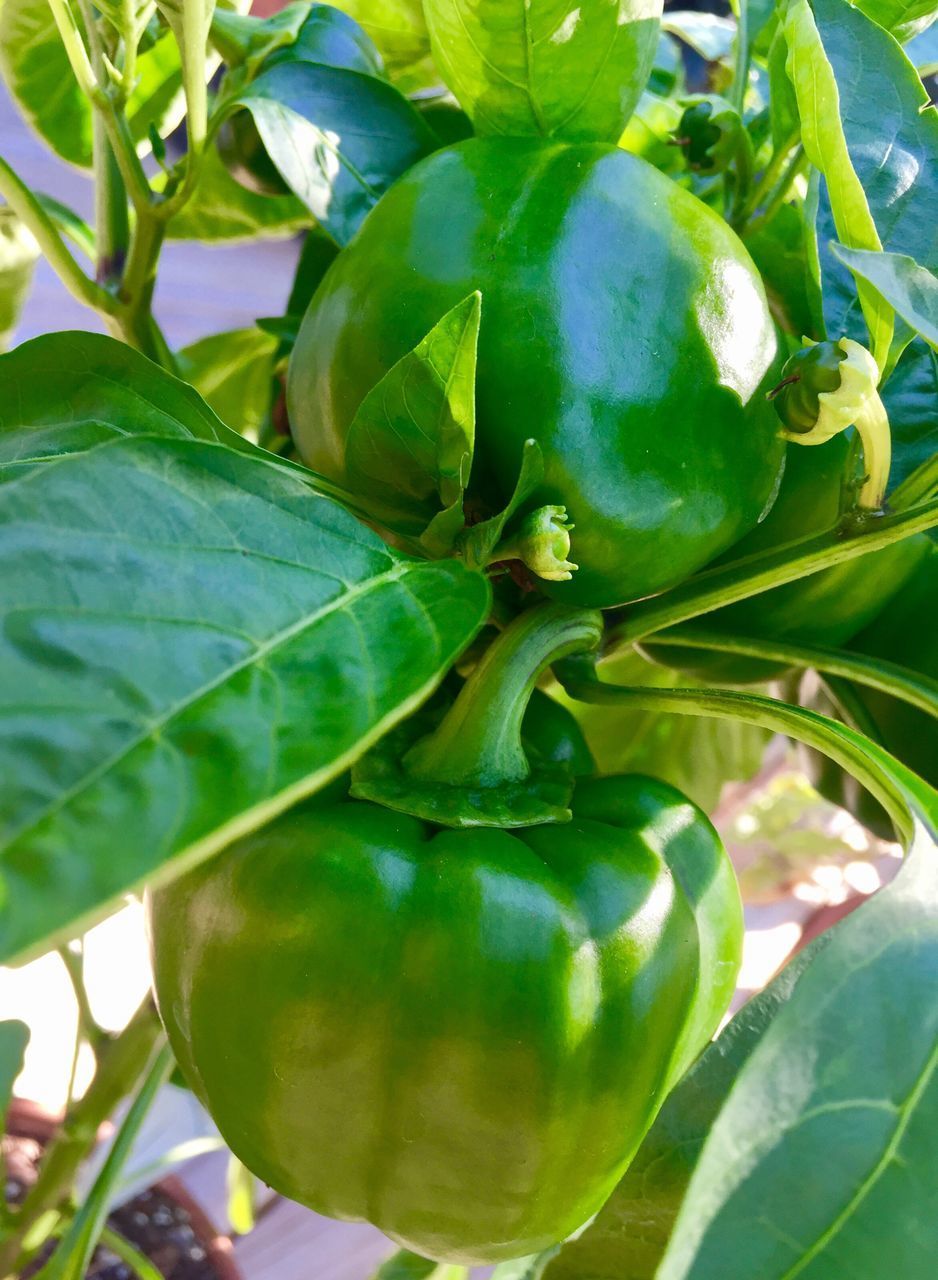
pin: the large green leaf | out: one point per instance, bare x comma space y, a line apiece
339, 138
193, 639
543, 67
36, 70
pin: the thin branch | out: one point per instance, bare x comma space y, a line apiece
27, 208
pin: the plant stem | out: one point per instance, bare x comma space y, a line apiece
888, 677
749, 576
77, 1243
770, 176
843, 745
24, 204
112, 225
121, 1063
112, 228
741, 65
135, 319
478, 741
795, 165
138, 1262
75, 49
87, 1026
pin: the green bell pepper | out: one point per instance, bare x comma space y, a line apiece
459, 1036
458, 1033
623, 327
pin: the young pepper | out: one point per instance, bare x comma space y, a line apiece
623, 327
460, 1035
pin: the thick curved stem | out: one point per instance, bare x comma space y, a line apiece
479, 740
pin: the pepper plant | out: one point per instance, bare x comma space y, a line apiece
585, 370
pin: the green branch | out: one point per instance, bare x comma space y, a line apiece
888, 677
873, 767
31, 213
756, 573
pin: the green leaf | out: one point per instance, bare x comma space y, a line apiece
706, 33
886, 145
827, 1130
417, 425
405, 1265
18, 255
233, 372
14, 1037
904, 18
823, 135
36, 70
108, 391
73, 1252
399, 30
827, 1133
911, 400
221, 209
627, 1239
911, 290
203, 639
70, 224
481, 539
339, 138
544, 67
650, 133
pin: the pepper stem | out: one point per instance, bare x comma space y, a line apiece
478, 742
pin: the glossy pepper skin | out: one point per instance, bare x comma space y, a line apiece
827, 608
905, 632
460, 1036
623, 327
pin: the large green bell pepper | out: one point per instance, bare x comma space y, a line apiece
460, 1036
623, 327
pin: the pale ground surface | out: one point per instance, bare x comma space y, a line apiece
203, 291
